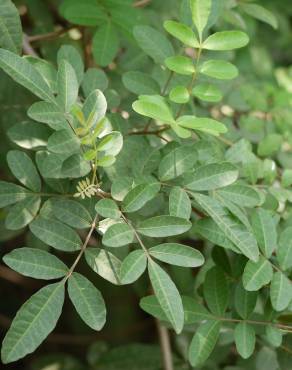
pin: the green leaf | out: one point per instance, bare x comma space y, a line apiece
118, 235
87, 300
153, 43
133, 267
179, 95
235, 210
244, 335
24, 169
49, 164
108, 208
55, 234
67, 85
179, 203
106, 161
216, 291
64, 142
177, 161
75, 166
85, 13
71, 213
10, 27
219, 69
29, 135
22, 213
207, 92
94, 79
244, 301
11, 193
208, 125
34, 321
162, 226
281, 291
140, 83
21, 71
105, 44
180, 64
72, 56
177, 254
94, 108
111, 144
104, 263
182, 32
211, 176
274, 335
139, 196
193, 311
226, 40
180, 131
265, 231
259, 12
167, 295
46, 69
267, 358
201, 10
153, 106
284, 251
209, 230
203, 342
286, 180
48, 113
270, 145
35, 263
151, 305
120, 187
242, 195
257, 274
235, 231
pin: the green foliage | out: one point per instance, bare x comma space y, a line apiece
167, 295
87, 300
152, 155
10, 27
33, 322
35, 263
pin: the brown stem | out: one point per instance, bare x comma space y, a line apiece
257, 322
50, 35
141, 3
165, 346
86, 47
136, 235
191, 84
82, 250
27, 48
145, 132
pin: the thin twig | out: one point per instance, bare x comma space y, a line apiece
144, 132
50, 35
141, 3
165, 346
26, 46
163, 92
136, 235
257, 322
82, 250
191, 84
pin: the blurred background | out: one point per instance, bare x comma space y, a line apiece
129, 339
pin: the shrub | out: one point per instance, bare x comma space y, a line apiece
147, 159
